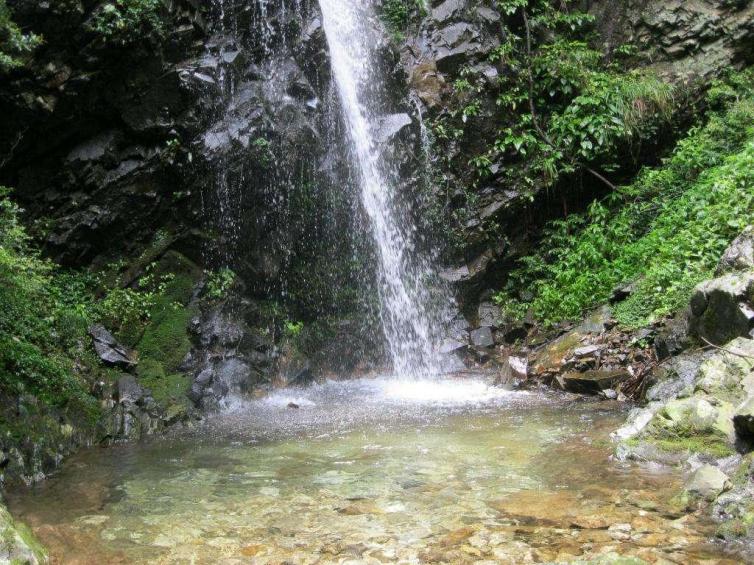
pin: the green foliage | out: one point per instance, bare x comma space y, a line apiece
126, 22
399, 14
219, 282
666, 231
45, 313
38, 329
572, 108
293, 329
565, 111
15, 46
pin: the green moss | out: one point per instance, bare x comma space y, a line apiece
166, 338
709, 445
28, 537
166, 389
745, 471
12, 531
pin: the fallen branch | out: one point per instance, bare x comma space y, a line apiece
736, 353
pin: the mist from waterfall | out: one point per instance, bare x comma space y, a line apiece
408, 319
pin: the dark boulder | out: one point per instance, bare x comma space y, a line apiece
109, 350
482, 337
593, 382
721, 308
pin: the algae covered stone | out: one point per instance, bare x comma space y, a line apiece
17, 543
694, 416
708, 482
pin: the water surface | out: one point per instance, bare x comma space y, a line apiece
371, 471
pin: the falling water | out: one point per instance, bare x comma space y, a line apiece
404, 294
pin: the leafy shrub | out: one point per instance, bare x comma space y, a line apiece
219, 282
666, 230
293, 329
15, 46
124, 22
398, 14
36, 329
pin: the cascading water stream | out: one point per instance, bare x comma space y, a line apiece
404, 295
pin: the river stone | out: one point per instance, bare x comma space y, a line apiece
740, 254
593, 382
708, 482
513, 371
743, 420
482, 337
719, 310
694, 415
637, 421
554, 354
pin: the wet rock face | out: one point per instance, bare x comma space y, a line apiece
94, 136
231, 354
683, 38
133, 414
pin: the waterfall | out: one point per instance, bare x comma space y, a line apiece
405, 296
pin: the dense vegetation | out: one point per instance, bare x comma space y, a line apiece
15, 46
562, 113
43, 319
45, 313
664, 232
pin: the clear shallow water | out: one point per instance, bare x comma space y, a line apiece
370, 471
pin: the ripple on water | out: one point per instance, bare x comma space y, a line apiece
370, 470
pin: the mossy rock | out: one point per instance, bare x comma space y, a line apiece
17, 542
693, 417
728, 376
165, 339
169, 389
185, 274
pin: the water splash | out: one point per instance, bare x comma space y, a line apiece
405, 296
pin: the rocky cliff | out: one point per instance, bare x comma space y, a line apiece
191, 152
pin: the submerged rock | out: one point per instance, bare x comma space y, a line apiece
708, 482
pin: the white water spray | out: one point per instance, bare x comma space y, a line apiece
404, 295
